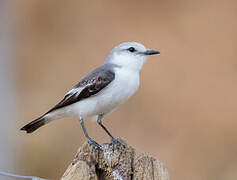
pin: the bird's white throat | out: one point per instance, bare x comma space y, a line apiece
133, 62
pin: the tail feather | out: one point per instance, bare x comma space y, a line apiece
34, 125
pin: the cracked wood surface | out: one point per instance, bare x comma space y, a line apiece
115, 162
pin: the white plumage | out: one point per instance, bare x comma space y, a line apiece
102, 90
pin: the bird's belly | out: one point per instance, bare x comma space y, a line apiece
116, 93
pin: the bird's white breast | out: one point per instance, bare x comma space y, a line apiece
124, 85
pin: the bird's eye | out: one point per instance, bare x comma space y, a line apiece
132, 49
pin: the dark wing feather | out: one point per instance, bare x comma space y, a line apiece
93, 83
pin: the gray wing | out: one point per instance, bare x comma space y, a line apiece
90, 85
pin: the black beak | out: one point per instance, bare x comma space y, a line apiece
151, 52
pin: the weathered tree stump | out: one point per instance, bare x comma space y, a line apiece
115, 162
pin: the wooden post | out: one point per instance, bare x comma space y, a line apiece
115, 162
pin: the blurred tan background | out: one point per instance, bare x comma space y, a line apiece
184, 112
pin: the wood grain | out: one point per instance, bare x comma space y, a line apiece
115, 162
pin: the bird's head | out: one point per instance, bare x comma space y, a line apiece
131, 55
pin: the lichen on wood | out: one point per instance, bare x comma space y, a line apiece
115, 162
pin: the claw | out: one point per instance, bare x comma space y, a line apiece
117, 141
95, 144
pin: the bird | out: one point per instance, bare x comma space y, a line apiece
102, 90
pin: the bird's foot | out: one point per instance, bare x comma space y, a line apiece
94, 144
117, 142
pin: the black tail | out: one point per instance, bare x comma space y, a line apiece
32, 126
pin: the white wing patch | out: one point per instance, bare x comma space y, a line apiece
74, 91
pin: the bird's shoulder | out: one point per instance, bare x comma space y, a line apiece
100, 75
